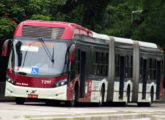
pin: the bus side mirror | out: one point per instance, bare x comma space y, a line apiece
5, 47
72, 53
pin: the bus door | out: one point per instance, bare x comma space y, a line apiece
122, 76
82, 73
144, 79
158, 79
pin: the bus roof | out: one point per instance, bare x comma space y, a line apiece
123, 40
70, 28
100, 36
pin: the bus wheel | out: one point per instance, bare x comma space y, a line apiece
75, 98
152, 98
152, 95
101, 100
20, 101
147, 104
140, 104
128, 94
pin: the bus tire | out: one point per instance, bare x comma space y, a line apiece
152, 98
152, 95
140, 104
147, 104
19, 101
128, 94
102, 93
74, 101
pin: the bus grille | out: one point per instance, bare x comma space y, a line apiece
46, 32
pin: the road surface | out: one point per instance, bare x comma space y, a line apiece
41, 111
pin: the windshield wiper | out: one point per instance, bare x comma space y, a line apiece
51, 56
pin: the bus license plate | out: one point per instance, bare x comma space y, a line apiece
32, 96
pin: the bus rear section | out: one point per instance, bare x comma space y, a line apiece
151, 73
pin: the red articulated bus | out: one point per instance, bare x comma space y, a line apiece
66, 62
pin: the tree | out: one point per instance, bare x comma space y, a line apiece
7, 27
103, 16
40, 17
152, 28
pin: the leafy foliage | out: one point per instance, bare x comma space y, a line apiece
6, 28
114, 17
152, 28
40, 17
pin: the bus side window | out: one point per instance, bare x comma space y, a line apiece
153, 69
131, 66
117, 65
107, 63
104, 64
141, 68
100, 63
127, 67
96, 59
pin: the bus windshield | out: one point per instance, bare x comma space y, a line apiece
37, 57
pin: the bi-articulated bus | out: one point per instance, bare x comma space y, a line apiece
66, 62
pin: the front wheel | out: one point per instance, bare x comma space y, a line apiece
74, 101
20, 101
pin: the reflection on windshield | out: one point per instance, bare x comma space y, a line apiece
31, 58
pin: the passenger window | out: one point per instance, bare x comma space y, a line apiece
100, 63
117, 65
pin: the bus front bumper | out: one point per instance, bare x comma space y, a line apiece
58, 93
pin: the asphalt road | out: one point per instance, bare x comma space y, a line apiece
41, 111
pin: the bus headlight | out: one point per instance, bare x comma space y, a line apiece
60, 83
10, 80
